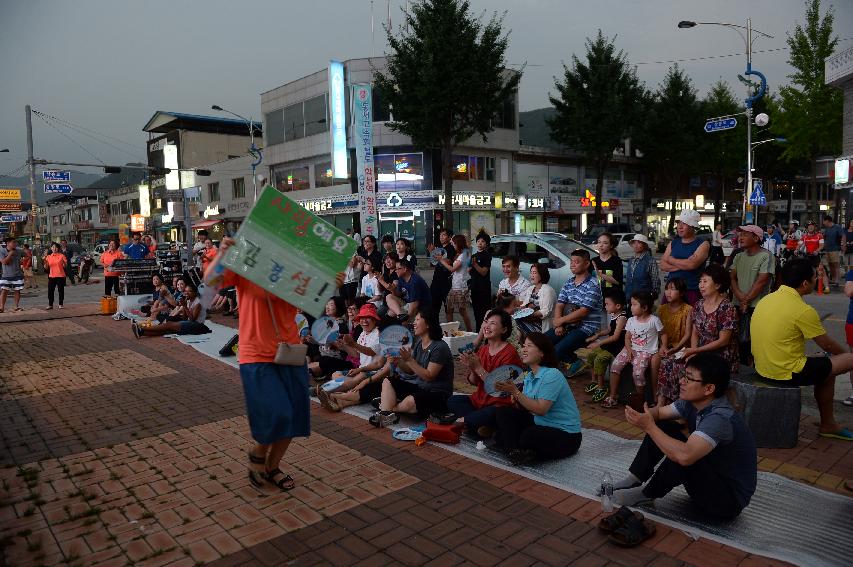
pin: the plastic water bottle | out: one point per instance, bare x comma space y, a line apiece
607, 492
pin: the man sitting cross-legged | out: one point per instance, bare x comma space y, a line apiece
716, 464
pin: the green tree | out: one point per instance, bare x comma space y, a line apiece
724, 153
812, 110
597, 106
671, 136
446, 79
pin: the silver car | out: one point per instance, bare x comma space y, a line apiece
549, 248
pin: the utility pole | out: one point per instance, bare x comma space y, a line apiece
32, 164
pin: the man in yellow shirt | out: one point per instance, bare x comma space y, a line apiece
780, 326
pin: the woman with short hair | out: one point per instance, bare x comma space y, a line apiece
544, 422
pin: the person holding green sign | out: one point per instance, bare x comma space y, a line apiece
277, 397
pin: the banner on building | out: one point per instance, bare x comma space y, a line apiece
363, 136
338, 125
290, 252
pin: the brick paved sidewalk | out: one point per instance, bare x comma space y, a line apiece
123, 452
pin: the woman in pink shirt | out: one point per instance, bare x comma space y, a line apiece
56, 262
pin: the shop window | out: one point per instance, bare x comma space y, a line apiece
490, 168
299, 179
134, 206
399, 172
459, 167
294, 122
324, 176
114, 209
477, 167
316, 117
212, 192
274, 127
238, 188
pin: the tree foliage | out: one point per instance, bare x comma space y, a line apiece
446, 79
812, 110
671, 136
597, 107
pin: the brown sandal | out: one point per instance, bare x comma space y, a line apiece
283, 481
613, 522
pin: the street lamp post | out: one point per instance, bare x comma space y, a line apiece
748, 41
254, 150
752, 147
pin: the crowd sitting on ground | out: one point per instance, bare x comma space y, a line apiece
682, 353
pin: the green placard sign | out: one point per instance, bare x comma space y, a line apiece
289, 251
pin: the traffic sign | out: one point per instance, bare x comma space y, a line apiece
10, 206
723, 124
13, 217
8, 194
757, 197
56, 175
63, 188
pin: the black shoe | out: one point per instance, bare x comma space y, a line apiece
375, 403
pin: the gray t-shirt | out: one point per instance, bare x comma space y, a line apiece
439, 353
12, 270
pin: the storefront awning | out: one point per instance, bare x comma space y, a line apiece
109, 231
206, 223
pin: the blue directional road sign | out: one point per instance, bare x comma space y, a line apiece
63, 188
757, 197
19, 217
54, 175
723, 124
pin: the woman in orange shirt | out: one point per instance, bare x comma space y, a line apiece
55, 262
107, 258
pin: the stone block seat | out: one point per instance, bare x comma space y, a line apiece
770, 408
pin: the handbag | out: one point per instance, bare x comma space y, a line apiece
286, 354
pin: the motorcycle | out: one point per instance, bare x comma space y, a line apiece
86, 265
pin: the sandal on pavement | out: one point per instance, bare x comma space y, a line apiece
600, 394
843, 434
256, 459
613, 522
283, 481
633, 532
609, 403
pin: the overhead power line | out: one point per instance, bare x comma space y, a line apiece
72, 140
709, 57
93, 134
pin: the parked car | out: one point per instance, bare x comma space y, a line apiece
593, 231
729, 243
549, 248
623, 247
704, 232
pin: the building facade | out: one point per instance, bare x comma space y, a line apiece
410, 199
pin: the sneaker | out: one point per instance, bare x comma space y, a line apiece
384, 419
50, 307
591, 387
60, 306
575, 368
600, 394
848, 402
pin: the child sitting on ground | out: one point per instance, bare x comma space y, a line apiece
675, 316
606, 345
642, 338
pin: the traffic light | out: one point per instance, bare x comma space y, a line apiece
111, 169
202, 172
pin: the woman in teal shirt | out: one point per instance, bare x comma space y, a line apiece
544, 422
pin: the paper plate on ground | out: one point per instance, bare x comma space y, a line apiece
392, 338
508, 373
406, 434
436, 254
302, 324
522, 313
325, 330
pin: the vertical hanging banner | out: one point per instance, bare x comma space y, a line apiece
338, 122
363, 137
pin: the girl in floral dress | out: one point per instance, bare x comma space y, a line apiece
675, 315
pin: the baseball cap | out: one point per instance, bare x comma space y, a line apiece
689, 217
756, 230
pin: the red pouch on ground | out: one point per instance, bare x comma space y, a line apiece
448, 433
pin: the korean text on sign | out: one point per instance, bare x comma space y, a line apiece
290, 252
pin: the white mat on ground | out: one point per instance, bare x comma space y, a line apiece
210, 343
785, 520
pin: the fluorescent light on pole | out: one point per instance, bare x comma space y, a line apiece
170, 161
842, 171
144, 201
700, 201
337, 126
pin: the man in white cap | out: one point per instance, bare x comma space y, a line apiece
642, 273
686, 255
752, 271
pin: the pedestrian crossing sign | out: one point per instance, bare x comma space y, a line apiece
757, 197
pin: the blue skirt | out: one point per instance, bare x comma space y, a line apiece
277, 401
